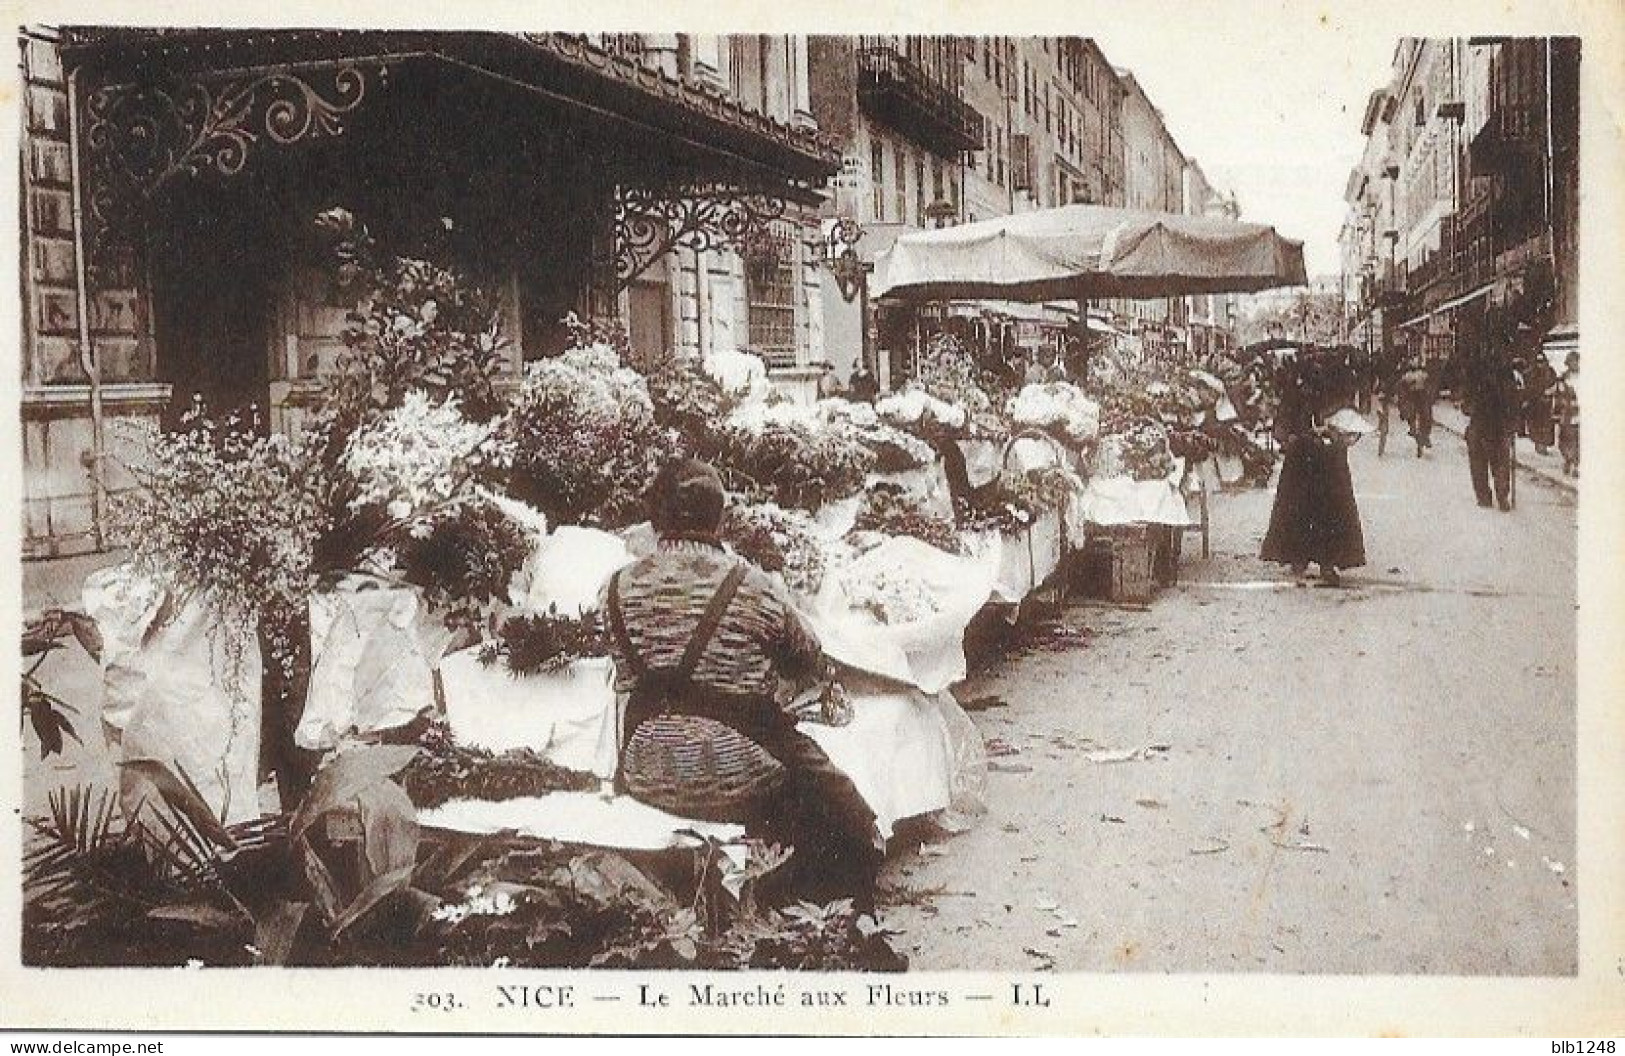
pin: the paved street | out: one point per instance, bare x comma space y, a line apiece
1373, 779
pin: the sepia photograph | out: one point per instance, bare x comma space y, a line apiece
722, 503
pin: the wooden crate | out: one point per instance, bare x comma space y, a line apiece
1121, 563
1134, 564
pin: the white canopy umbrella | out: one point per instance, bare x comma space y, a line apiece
1078, 252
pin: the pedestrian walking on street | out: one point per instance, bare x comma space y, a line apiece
1540, 385
1568, 415
1492, 397
1315, 518
1416, 402
1385, 385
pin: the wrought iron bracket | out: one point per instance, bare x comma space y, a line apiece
839, 253
651, 223
141, 136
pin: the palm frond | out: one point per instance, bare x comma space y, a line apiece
80, 865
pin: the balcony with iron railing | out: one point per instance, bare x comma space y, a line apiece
898, 92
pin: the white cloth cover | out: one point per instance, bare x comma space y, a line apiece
836, 519
1123, 500
982, 460
569, 568
907, 753
372, 663
1029, 453
1230, 468
169, 694
928, 484
568, 716
577, 817
1021, 562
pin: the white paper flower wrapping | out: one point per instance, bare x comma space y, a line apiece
891, 595
912, 406
1057, 406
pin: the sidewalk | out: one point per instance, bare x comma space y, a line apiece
1547, 468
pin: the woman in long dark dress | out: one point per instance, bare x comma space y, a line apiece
1315, 518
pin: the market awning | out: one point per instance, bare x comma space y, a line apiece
1457, 302
1077, 252
1053, 315
1274, 344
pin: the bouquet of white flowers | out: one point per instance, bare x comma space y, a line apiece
895, 449
417, 459
585, 441
914, 408
946, 370
789, 455
1057, 407
1139, 451
777, 540
890, 595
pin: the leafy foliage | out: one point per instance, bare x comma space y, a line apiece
693, 404
795, 465
417, 327
350, 879
777, 540
1014, 501
225, 514
464, 563
548, 641
946, 370
892, 511
45, 712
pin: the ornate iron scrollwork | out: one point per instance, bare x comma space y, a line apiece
651, 223
841, 256
140, 136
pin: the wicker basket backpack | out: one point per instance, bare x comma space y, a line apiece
684, 763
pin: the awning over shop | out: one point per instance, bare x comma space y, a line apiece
1559, 341
1450, 305
617, 88
1051, 314
676, 163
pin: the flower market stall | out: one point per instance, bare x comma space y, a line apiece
402, 601
1167, 428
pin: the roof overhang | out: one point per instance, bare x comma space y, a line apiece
722, 138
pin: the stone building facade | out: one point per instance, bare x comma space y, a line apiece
171, 179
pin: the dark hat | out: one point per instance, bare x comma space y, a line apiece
686, 499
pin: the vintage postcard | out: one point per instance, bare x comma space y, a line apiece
981, 519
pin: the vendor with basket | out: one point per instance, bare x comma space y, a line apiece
701, 640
